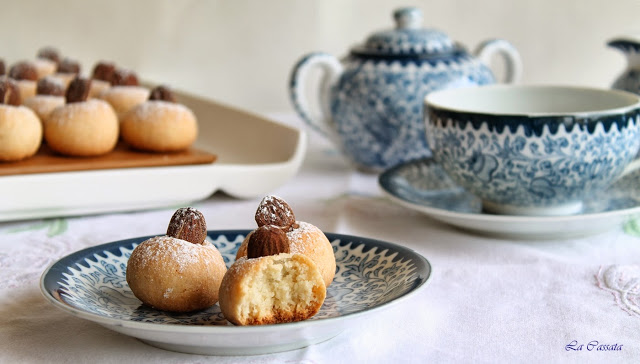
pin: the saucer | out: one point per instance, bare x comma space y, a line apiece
423, 186
370, 275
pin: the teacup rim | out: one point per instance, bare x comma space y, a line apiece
430, 101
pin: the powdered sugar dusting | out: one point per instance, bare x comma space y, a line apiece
184, 214
242, 265
158, 109
166, 248
44, 63
48, 98
296, 235
44, 104
79, 112
56, 81
130, 91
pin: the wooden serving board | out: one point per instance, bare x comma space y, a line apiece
47, 161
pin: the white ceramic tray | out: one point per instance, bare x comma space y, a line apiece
255, 155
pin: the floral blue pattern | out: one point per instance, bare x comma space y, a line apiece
377, 105
533, 165
423, 182
371, 101
408, 38
422, 185
369, 274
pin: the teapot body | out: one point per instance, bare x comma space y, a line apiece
376, 105
371, 101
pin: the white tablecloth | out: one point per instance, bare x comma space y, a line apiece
489, 299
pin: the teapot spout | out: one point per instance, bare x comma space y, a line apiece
629, 80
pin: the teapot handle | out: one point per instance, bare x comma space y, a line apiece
331, 71
487, 49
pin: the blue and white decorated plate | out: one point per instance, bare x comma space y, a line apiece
370, 275
423, 186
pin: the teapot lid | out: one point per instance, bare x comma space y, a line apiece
408, 38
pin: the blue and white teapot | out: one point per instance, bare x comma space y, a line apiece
371, 102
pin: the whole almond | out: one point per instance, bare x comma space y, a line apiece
50, 86
274, 211
9, 93
78, 90
104, 71
68, 65
188, 224
162, 93
49, 53
124, 77
23, 71
267, 240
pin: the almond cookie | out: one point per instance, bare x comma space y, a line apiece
81, 127
20, 128
178, 272
26, 76
125, 92
46, 62
49, 95
159, 124
271, 285
101, 78
68, 69
304, 238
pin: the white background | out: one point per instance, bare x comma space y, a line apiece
241, 52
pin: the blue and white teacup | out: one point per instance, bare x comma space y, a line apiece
533, 150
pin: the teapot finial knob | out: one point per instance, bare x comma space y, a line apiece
408, 18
